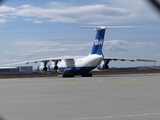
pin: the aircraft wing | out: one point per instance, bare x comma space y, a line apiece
127, 59
42, 60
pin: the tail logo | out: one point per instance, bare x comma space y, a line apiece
98, 42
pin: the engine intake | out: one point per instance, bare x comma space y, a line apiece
42, 67
52, 66
103, 65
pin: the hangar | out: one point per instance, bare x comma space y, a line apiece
16, 70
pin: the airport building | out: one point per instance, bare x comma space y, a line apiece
134, 68
16, 70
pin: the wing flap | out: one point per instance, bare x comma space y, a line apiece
40, 60
128, 59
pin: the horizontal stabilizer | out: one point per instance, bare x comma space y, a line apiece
104, 27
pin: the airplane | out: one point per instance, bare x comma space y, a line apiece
70, 66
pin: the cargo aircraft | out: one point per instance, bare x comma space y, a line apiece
71, 66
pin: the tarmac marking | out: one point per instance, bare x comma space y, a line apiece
65, 84
77, 83
133, 82
71, 83
118, 116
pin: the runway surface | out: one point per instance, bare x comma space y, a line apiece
117, 97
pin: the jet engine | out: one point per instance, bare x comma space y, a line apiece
42, 67
103, 65
53, 66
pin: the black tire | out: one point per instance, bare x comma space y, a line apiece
67, 75
87, 75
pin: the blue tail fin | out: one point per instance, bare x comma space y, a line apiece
98, 43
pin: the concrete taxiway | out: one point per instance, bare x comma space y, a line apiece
118, 97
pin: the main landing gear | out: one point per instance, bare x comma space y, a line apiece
87, 75
65, 75
68, 74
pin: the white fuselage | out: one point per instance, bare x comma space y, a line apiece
80, 64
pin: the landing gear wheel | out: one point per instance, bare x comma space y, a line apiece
68, 75
87, 75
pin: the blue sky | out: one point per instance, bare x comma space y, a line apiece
47, 28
